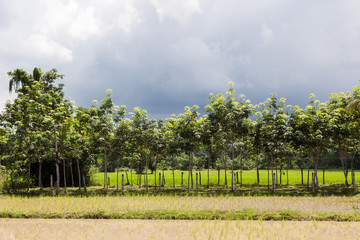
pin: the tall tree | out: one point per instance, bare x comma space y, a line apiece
143, 133
229, 116
187, 127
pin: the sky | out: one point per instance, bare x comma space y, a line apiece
163, 55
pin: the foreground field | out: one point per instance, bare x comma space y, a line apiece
164, 229
168, 207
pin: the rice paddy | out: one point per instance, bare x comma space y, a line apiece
174, 229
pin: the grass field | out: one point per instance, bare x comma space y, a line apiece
249, 177
168, 207
165, 229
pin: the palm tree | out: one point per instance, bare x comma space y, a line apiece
20, 78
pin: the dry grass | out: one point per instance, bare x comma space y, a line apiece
163, 229
167, 203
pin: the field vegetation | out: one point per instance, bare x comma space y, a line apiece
165, 229
291, 177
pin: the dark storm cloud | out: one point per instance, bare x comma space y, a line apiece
165, 54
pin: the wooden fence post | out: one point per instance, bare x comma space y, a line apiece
122, 184
159, 181
241, 177
287, 176
234, 179
200, 178
273, 182
218, 176
302, 177
313, 182
182, 178
196, 182
324, 176
353, 178
280, 176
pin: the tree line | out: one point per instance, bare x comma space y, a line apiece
43, 134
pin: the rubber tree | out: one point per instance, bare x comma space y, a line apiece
158, 145
187, 127
172, 144
80, 139
121, 146
311, 128
274, 128
342, 126
143, 130
229, 116
37, 106
103, 121
257, 144
210, 144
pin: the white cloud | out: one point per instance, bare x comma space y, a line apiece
85, 25
42, 47
175, 48
180, 10
267, 35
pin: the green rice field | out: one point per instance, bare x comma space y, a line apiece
248, 177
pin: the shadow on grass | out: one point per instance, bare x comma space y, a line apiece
245, 190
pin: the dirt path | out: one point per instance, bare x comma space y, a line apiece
167, 229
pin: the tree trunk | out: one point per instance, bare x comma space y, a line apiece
39, 180
287, 171
272, 165
127, 178
155, 169
79, 174
84, 182
146, 172
208, 172
268, 171
225, 167
173, 177
257, 171
28, 180
343, 159
316, 164
117, 178
241, 171
190, 171
131, 172
308, 173
163, 178
105, 169
276, 171
232, 165
71, 173
64, 167
352, 173
218, 176
51, 184
57, 164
